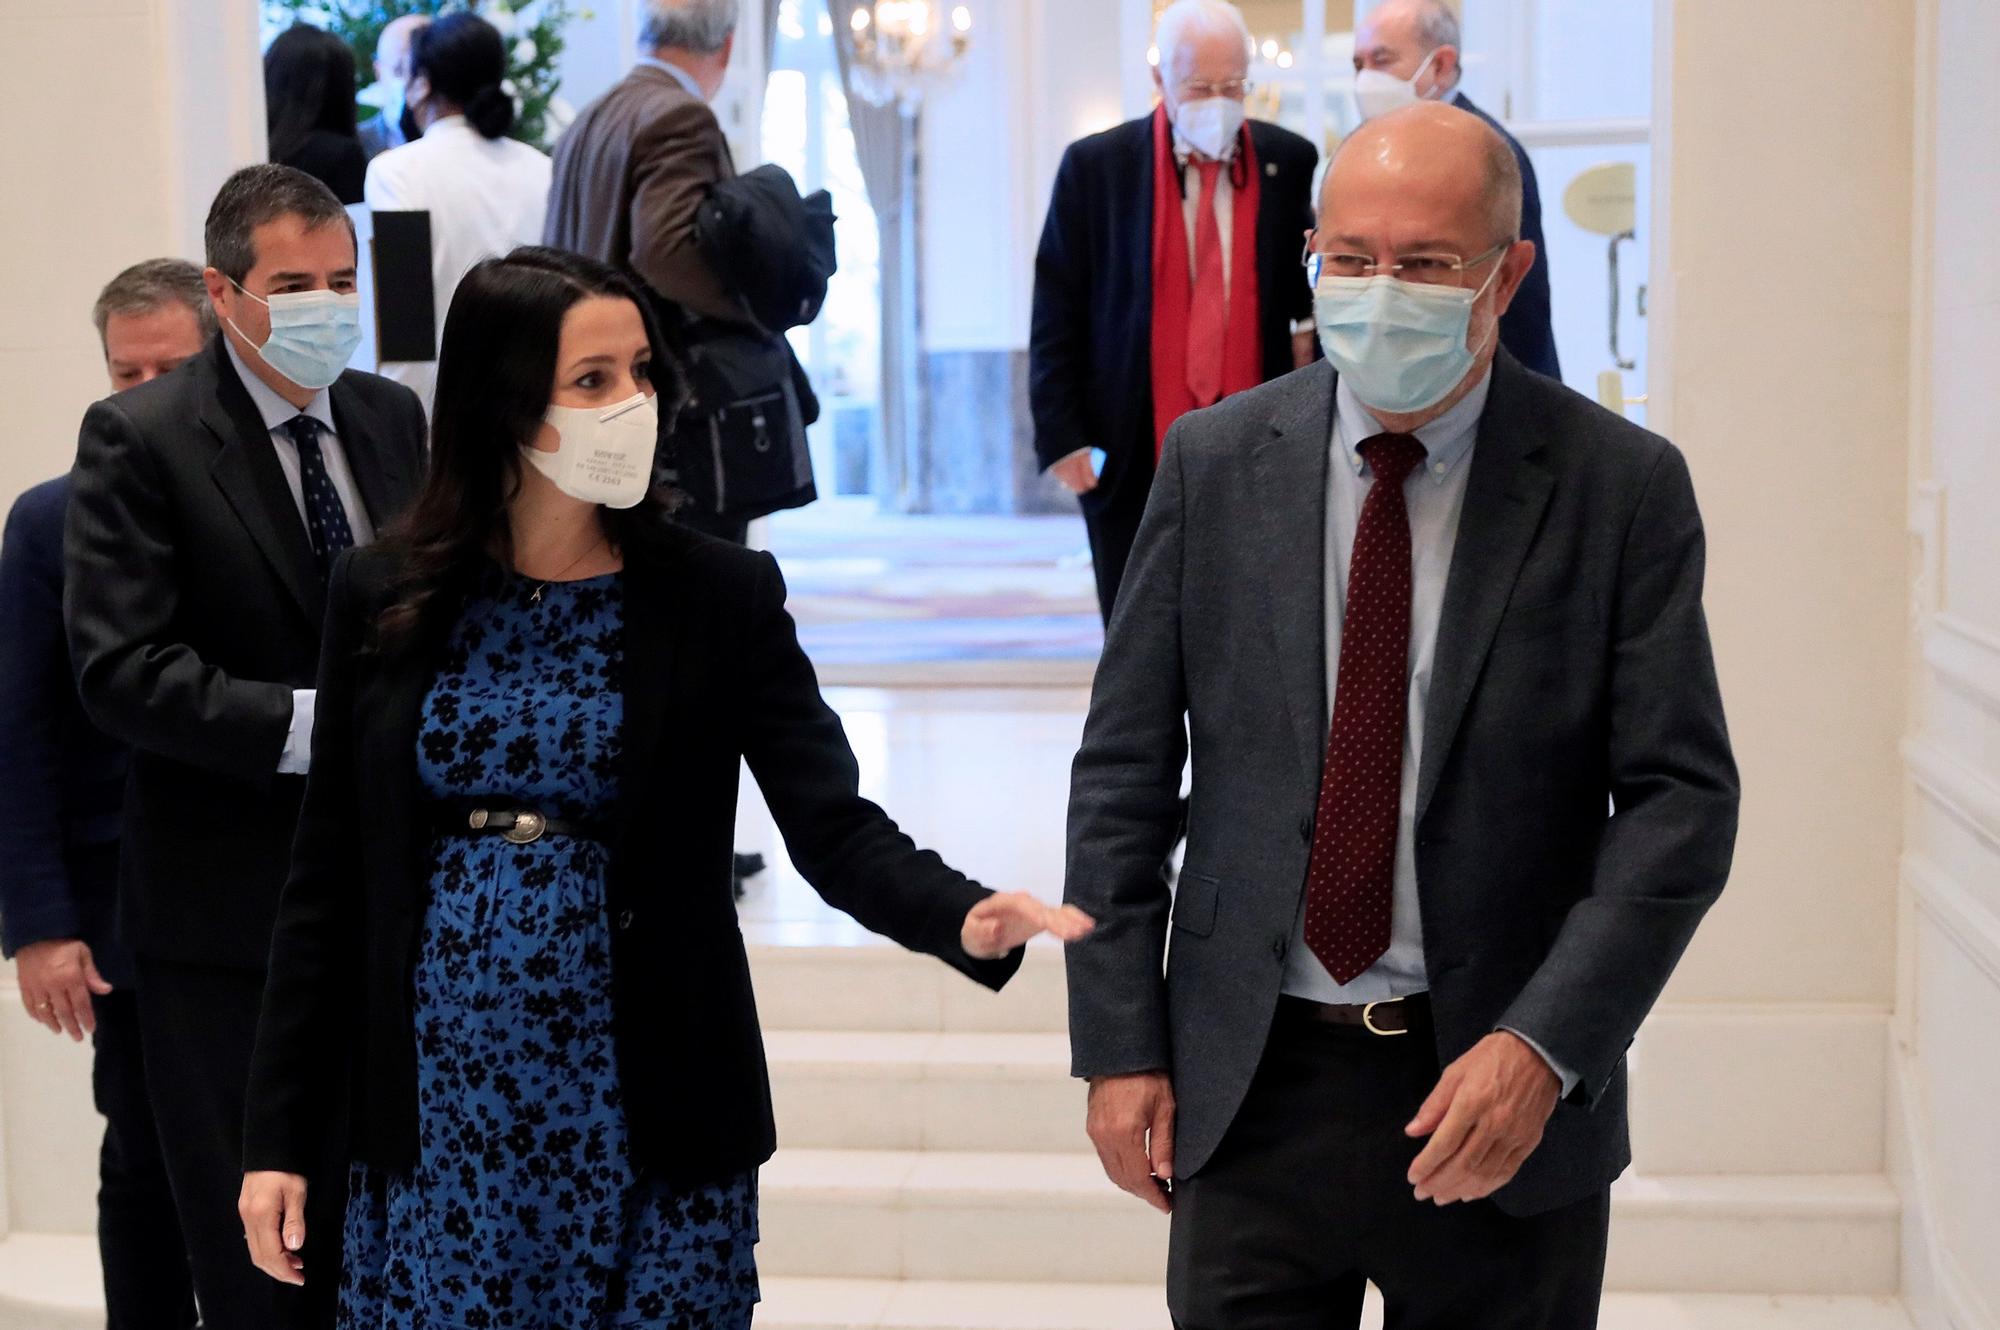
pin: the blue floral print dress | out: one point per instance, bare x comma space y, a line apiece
524, 1210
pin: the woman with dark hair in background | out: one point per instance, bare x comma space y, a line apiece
486, 193
510, 909
309, 108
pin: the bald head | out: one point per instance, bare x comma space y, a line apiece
392, 48
1432, 161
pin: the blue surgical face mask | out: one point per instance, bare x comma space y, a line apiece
313, 334
1400, 345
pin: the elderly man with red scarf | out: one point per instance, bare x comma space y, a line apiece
1168, 277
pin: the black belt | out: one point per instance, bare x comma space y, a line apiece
520, 826
1393, 1017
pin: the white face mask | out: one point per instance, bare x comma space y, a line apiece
1210, 125
313, 334
1402, 347
603, 454
1378, 92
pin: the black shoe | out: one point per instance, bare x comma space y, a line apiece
746, 866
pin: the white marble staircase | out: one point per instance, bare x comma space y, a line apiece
934, 1174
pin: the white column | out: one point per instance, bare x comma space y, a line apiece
1781, 320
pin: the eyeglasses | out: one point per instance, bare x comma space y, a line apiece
1422, 269
1196, 90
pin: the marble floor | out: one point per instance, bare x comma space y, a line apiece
980, 775
929, 599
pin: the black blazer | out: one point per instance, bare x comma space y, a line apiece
1525, 329
1090, 361
714, 674
193, 611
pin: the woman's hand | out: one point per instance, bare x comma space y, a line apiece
273, 1209
1006, 920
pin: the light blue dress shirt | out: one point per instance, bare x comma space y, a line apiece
1435, 495
680, 76
276, 411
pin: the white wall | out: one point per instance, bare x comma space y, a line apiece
1947, 1150
131, 113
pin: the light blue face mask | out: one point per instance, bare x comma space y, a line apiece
313, 334
1400, 345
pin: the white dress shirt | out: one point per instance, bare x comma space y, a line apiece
276, 413
485, 196
1225, 204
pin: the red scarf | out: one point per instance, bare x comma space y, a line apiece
1173, 288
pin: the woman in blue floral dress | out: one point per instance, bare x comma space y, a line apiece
510, 920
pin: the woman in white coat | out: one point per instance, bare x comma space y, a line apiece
486, 193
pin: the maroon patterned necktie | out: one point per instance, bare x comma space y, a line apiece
1350, 882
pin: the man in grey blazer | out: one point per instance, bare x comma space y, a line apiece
1409, 946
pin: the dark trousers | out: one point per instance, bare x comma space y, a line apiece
199, 1024
147, 1285
1307, 1200
1113, 523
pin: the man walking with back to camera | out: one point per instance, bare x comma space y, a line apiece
1421, 613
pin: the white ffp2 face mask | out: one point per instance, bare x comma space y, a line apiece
603, 454
1210, 125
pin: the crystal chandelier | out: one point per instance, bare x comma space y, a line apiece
905, 48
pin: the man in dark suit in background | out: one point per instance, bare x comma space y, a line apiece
208, 508
1168, 275
63, 782
1424, 613
1406, 51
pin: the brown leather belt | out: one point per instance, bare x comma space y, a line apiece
1394, 1017
519, 826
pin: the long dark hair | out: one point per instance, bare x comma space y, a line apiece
496, 369
308, 85
463, 58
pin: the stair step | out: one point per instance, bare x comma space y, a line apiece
941, 1215
892, 1090
877, 986
51, 1283
853, 1304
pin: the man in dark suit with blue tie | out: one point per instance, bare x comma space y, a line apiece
207, 510
62, 781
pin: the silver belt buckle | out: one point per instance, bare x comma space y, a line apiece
527, 829
1368, 1020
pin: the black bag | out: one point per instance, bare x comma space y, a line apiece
772, 248
739, 440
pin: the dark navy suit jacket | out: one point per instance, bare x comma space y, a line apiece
61, 779
1525, 328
